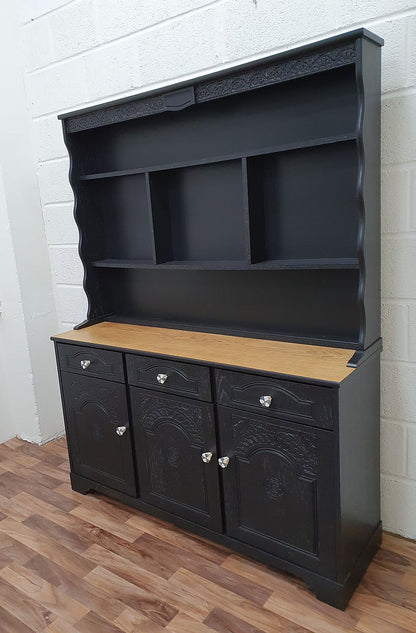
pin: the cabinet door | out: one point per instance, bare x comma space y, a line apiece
279, 487
171, 435
100, 449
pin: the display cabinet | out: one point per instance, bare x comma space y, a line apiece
227, 375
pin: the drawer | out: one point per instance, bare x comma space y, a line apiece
308, 404
169, 376
90, 361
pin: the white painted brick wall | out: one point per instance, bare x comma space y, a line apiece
83, 51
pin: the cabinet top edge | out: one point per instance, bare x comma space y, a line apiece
362, 33
327, 364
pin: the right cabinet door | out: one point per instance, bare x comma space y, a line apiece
279, 487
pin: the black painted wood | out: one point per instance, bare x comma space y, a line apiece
278, 487
184, 379
295, 401
94, 409
171, 433
258, 174
245, 202
88, 361
293, 495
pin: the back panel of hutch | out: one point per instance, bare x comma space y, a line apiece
227, 375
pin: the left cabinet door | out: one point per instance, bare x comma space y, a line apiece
176, 456
98, 432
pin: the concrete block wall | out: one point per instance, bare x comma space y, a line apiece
80, 52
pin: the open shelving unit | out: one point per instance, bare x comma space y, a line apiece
245, 182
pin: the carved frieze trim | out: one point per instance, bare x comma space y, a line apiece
265, 74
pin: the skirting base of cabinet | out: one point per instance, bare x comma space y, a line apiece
326, 589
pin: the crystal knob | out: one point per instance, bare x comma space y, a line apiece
265, 401
161, 378
206, 457
85, 364
120, 430
224, 461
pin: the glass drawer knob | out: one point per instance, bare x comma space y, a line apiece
161, 378
224, 461
206, 457
85, 364
265, 401
120, 430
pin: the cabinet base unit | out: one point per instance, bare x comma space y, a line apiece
281, 467
226, 378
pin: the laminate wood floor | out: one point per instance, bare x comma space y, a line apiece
72, 563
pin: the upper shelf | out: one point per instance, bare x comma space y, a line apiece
264, 151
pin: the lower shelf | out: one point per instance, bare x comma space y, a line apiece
339, 263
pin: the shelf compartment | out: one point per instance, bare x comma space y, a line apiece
198, 213
320, 105
303, 206
330, 263
270, 149
120, 219
313, 304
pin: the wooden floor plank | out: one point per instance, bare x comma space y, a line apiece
50, 597
372, 624
179, 557
183, 623
25, 609
155, 609
72, 563
171, 534
77, 588
11, 624
119, 571
223, 622
46, 546
230, 601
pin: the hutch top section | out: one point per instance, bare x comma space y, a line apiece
244, 202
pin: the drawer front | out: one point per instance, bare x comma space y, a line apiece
169, 376
308, 404
89, 361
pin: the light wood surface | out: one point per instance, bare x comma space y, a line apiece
85, 564
306, 361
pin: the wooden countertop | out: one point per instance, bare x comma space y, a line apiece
294, 359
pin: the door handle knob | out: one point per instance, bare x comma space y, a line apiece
161, 378
265, 401
120, 430
224, 461
85, 364
206, 457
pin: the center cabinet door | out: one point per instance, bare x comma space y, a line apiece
171, 435
279, 487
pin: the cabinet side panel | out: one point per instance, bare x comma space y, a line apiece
368, 186
359, 454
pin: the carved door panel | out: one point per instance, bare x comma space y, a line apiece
98, 432
279, 487
171, 435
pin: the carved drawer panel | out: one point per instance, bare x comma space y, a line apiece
169, 376
90, 361
287, 399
